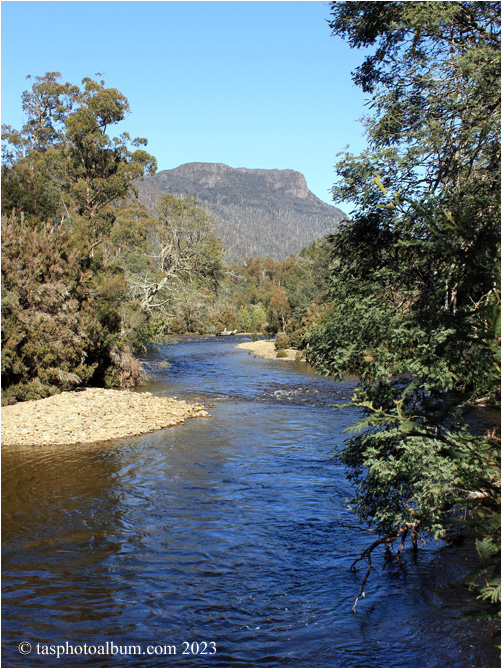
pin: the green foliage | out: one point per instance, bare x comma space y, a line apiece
273, 296
251, 317
185, 242
62, 323
414, 297
62, 164
282, 341
486, 581
59, 313
410, 470
175, 275
172, 263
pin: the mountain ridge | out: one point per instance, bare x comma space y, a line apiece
256, 211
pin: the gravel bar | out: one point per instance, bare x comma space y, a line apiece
92, 415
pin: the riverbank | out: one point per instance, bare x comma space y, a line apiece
91, 415
266, 349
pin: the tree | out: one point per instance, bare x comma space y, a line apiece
182, 251
278, 309
435, 101
60, 320
61, 173
415, 293
63, 153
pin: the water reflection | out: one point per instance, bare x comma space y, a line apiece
231, 529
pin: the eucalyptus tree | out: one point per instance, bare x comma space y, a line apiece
61, 174
184, 257
62, 164
415, 292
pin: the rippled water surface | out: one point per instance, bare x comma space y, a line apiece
230, 529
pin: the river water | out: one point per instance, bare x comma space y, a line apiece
221, 542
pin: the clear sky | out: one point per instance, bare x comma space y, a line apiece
249, 84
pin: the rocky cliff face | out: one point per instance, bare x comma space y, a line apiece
256, 212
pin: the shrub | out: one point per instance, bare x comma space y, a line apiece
60, 315
282, 341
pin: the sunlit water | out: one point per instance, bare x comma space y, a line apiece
230, 529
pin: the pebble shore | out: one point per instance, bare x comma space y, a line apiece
266, 349
91, 415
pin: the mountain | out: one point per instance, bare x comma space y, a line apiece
256, 212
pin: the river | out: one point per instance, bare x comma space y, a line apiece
221, 542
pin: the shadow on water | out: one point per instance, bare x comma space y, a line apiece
231, 529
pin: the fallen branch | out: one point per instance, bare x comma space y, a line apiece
366, 555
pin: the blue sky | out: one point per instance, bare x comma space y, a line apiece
248, 84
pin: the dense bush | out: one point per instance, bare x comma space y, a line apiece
414, 294
282, 341
61, 307
60, 321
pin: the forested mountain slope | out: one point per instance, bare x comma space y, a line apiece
257, 212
